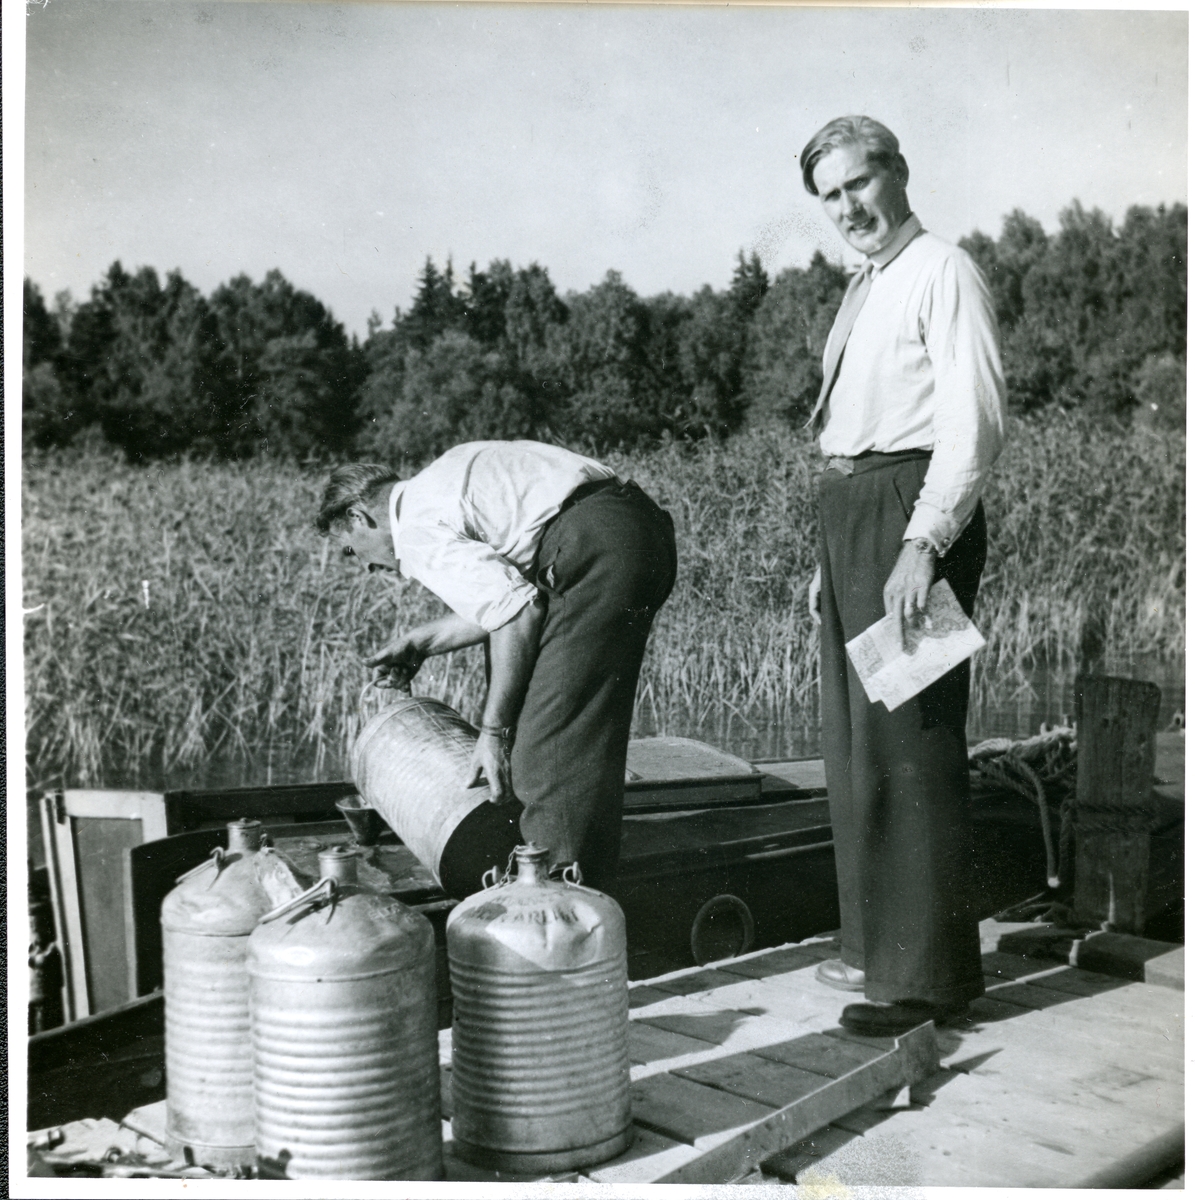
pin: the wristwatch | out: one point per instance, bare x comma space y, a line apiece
923, 546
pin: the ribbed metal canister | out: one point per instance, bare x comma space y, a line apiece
206, 922
540, 1057
410, 762
346, 1076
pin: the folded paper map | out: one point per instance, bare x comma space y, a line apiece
941, 640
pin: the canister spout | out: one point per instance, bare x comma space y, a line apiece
533, 863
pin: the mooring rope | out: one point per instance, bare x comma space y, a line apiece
1027, 767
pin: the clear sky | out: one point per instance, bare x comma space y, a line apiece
345, 143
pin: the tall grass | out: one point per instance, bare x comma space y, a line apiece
185, 611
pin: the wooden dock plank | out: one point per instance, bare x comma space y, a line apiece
650, 1044
821, 1054
830, 1052
804, 1155
641, 995
780, 962
1151, 1015
1067, 1115
755, 1078
939, 1149
1001, 965
1107, 1074
706, 980
689, 1112
1077, 981
1035, 995
1058, 1058
1038, 1048
729, 1028
1086, 1130
794, 997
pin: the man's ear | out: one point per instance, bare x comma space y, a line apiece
900, 169
358, 516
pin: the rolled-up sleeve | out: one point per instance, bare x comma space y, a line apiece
963, 342
470, 577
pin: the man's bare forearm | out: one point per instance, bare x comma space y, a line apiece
446, 634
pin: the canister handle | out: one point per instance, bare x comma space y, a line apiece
327, 884
491, 878
217, 856
572, 874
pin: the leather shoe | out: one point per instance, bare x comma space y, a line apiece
833, 972
888, 1020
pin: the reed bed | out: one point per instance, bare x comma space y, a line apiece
188, 611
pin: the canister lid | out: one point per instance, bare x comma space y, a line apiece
339, 863
245, 835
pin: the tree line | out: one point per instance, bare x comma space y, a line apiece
1091, 316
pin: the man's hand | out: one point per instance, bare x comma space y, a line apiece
491, 764
514, 648
906, 594
815, 596
395, 664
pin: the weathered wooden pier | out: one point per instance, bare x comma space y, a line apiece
1059, 1077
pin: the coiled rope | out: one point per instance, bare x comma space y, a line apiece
1035, 768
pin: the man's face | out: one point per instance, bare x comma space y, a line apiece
866, 201
363, 538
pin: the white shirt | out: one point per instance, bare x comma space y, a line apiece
921, 370
468, 526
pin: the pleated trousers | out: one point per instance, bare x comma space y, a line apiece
898, 781
605, 565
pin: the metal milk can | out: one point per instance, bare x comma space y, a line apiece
346, 1078
540, 1056
206, 922
410, 762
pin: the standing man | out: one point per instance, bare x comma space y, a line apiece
911, 419
559, 567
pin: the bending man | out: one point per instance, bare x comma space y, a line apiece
560, 567
911, 418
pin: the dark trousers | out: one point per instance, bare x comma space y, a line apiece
898, 781
605, 565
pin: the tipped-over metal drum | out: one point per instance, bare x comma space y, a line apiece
411, 763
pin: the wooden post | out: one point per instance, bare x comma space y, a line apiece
1114, 810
